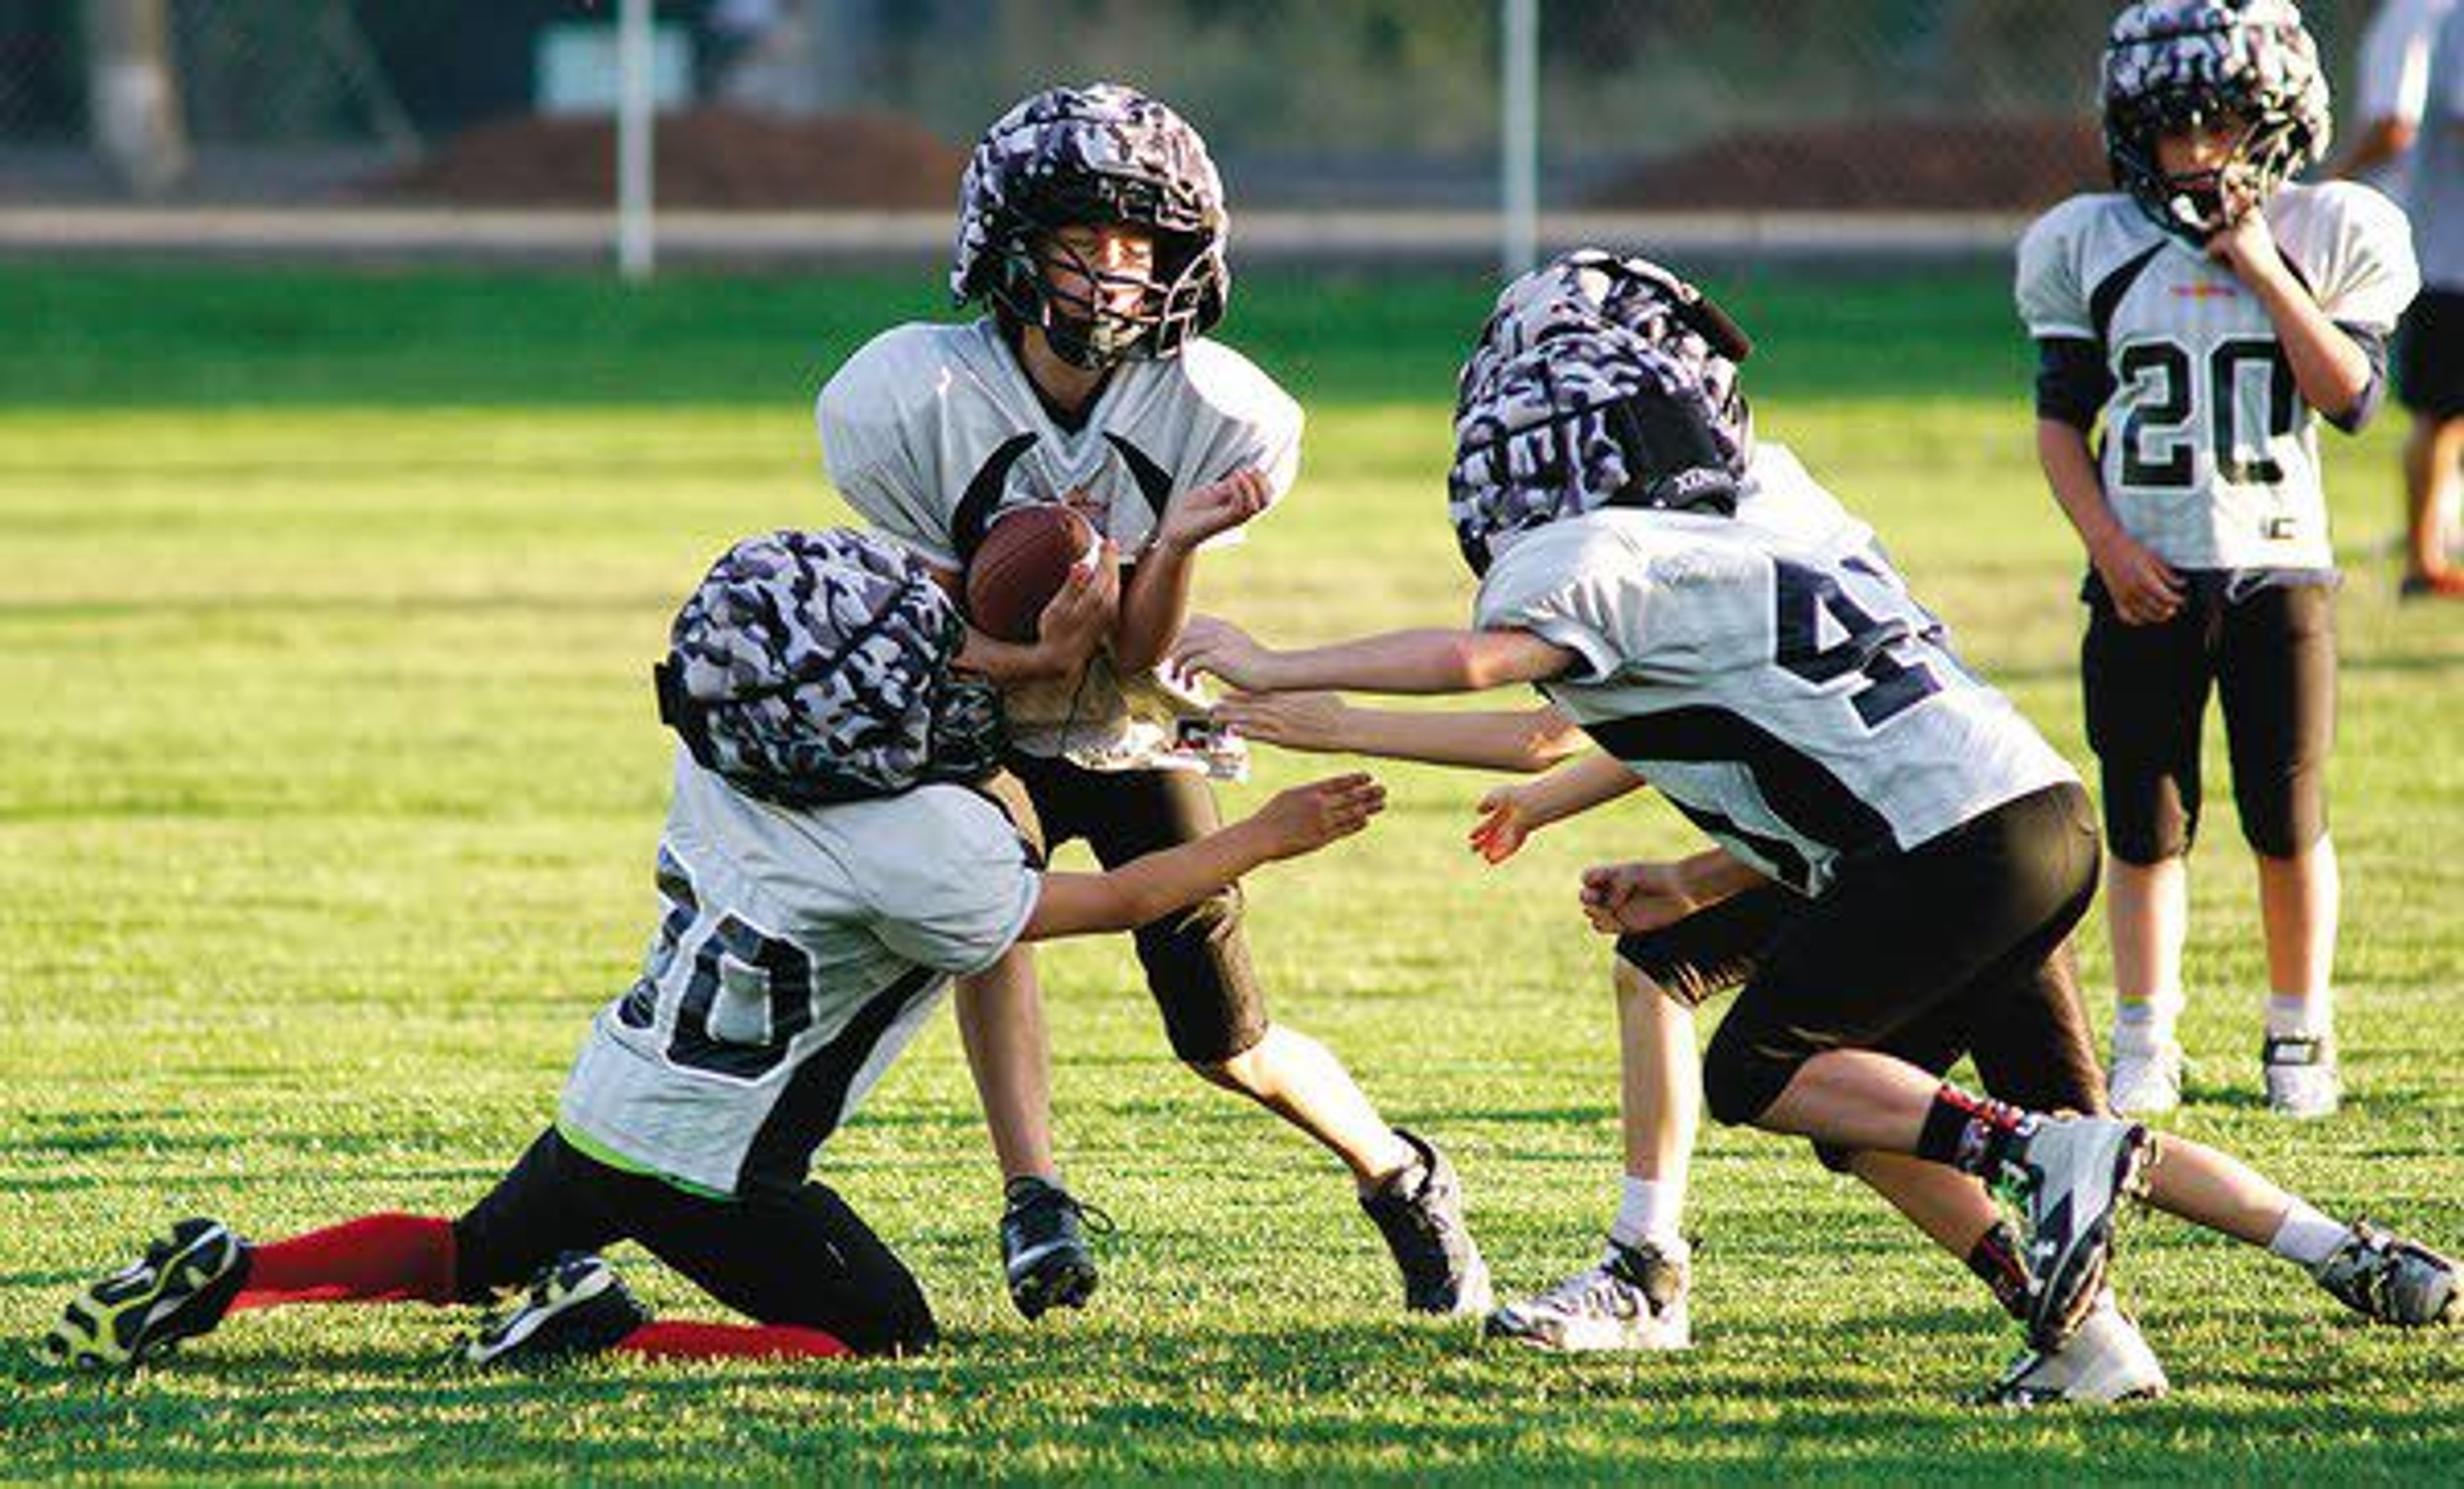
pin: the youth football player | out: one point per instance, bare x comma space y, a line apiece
1784, 691
2204, 315
1092, 228
836, 851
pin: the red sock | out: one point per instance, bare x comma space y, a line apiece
374, 1258
688, 1341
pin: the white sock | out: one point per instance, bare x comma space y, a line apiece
2142, 1026
1647, 1212
2306, 1238
2301, 1013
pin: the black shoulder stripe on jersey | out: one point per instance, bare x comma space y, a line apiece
809, 1109
1798, 788
983, 494
1154, 482
2107, 297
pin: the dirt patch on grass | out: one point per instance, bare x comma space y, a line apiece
1875, 166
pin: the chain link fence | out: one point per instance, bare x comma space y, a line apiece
1882, 106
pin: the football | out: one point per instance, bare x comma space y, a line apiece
1021, 563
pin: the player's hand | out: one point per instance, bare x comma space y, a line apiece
1504, 823
1198, 513
1308, 818
1211, 643
2248, 245
2144, 588
1641, 896
1079, 618
1294, 720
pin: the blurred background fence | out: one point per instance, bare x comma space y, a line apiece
1314, 107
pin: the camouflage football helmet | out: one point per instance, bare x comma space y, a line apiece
810, 667
1588, 418
1092, 156
1590, 287
2178, 64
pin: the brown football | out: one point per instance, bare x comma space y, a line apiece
1021, 563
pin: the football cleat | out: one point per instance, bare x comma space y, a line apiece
2301, 1076
2076, 1172
179, 1289
2386, 1277
2145, 1083
1421, 1213
577, 1306
1633, 1298
2105, 1361
1044, 1246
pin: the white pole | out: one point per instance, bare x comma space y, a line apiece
635, 119
1519, 133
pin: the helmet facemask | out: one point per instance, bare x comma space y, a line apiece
2187, 65
1119, 313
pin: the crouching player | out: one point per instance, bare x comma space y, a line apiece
1792, 699
834, 856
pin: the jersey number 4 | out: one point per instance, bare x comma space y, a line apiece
1881, 649
2166, 386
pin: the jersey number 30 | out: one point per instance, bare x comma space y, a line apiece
2156, 448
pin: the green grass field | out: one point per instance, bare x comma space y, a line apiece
329, 779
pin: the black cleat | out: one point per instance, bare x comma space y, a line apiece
179, 1289
1044, 1252
577, 1306
1421, 1213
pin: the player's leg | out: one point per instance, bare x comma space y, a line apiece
1046, 1259
200, 1273
2145, 692
1893, 940
1635, 1297
1198, 968
2430, 380
2277, 681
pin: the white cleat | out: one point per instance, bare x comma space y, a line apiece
1633, 1298
2302, 1080
2105, 1361
2145, 1083
2078, 1172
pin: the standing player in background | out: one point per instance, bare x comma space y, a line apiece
2390, 86
2430, 349
2205, 315
1092, 227
835, 851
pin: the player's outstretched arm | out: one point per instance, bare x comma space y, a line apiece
1645, 896
1300, 821
1512, 814
1425, 660
1519, 739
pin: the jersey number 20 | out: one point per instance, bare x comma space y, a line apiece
2156, 450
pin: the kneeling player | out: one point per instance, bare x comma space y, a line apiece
831, 859
1942, 850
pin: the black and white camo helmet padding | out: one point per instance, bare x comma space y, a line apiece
1591, 417
1589, 287
2172, 64
810, 667
1101, 154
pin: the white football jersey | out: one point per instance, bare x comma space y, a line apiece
798, 952
2209, 454
931, 431
1770, 675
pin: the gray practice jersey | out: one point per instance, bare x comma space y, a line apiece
1770, 675
2435, 187
930, 431
2209, 454
798, 952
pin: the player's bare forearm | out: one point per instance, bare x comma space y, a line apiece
1154, 605
1423, 661
1716, 874
2329, 368
2079, 489
1299, 820
1577, 787
1525, 740
1009, 662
